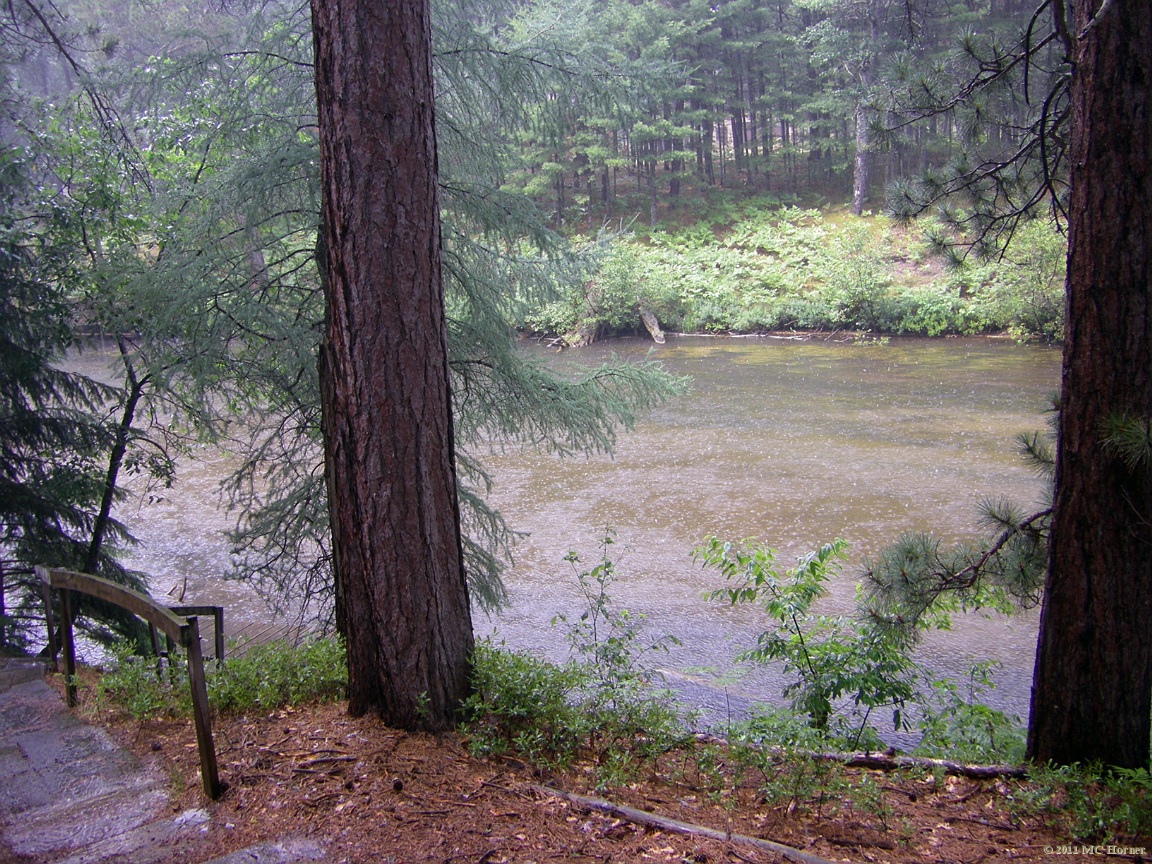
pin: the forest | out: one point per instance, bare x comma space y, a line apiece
173, 186
184, 203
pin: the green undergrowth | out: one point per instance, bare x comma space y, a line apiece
265, 677
542, 712
604, 705
605, 711
783, 268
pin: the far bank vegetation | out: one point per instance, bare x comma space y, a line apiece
761, 268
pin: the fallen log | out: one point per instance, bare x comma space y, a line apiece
653, 326
675, 826
885, 762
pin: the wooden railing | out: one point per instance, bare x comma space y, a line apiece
182, 631
217, 613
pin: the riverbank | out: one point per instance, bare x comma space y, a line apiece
361, 793
777, 269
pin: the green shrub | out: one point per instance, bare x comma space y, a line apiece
962, 728
266, 677
140, 688
853, 279
279, 673
628, 712
601, 704
1024, 293
935, 312
842, 668
778, 750
1091, 803
521, 703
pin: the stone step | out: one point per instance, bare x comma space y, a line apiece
69, 794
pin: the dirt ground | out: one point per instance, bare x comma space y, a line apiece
374, 794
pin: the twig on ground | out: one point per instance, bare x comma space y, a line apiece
664, 823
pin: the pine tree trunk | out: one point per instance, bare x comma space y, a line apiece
559, 194
1092, 688
653, 204
860, 170
389, 460
737, 111
707, 147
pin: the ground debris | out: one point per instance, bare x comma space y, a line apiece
410, 798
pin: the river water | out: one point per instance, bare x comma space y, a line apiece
793, 442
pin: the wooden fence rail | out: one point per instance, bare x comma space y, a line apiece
183, 631
217, 613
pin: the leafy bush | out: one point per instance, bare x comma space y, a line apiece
628, 712
842, 668
779, 751
935, 312
142, 689
278, 673
1024, 293
1092, 803
521, 703
853, 279
267, 676
965, 729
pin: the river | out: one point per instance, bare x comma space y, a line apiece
793, 442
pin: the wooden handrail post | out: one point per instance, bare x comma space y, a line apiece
154, 636
46, 590
209, 772
217, 613
170, 650
69, 646
218, 622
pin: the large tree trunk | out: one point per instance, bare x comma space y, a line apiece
1093, 683
389, 461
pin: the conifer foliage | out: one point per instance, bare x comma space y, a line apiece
54, 436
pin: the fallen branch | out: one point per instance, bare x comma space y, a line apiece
675, 826
884, 762
857, 843
892, 762
324, 760
652, 325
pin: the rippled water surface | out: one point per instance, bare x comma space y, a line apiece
792, 442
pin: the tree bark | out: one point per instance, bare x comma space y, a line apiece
389, 460
1092, 686
860, 165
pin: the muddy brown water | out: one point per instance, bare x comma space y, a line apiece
794, 442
